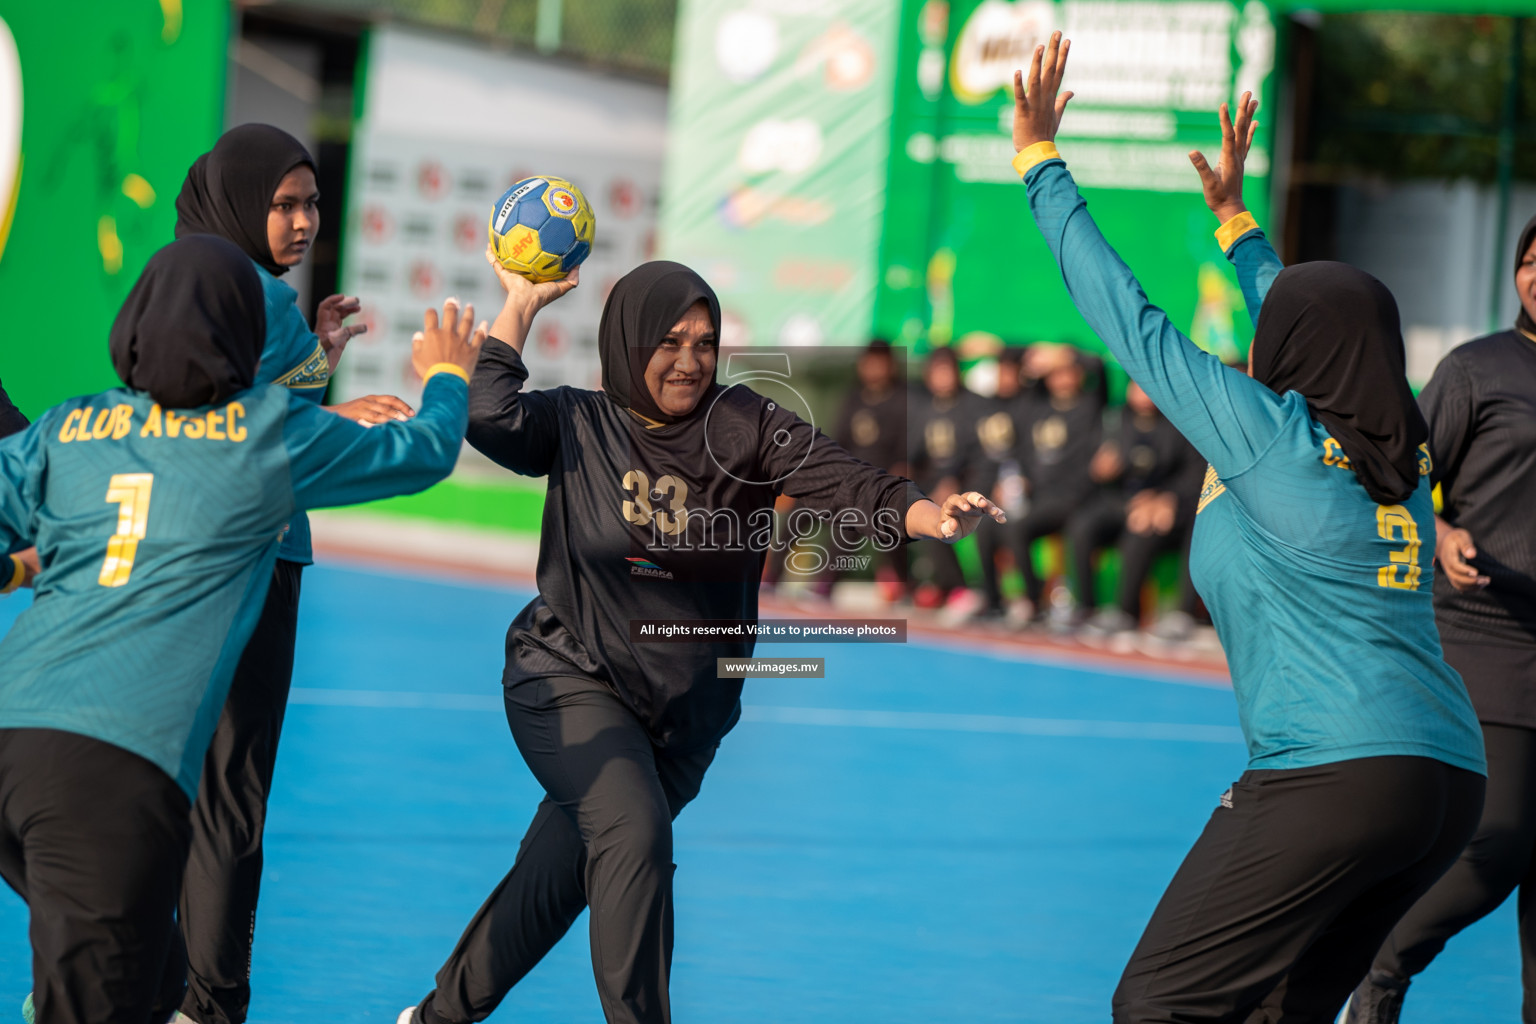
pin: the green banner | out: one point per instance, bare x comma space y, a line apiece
116, 101
776, 162
960, 253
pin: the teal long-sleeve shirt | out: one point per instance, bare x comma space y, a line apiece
293, 358
1320, 596
158, 529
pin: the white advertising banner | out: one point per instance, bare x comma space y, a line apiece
447, 126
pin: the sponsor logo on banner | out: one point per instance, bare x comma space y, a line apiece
624, 197
999, 38
432, 179
10, 129
425, 279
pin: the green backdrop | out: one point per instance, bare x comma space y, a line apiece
118, 99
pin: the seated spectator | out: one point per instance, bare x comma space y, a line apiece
942, 453
1137, 508
999, 475
1061, 431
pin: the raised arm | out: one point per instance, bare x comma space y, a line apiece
516, 429
1229, 418
334, 461
1245, 245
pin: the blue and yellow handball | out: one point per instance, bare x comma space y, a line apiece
542, 228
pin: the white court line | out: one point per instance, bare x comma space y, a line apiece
923, 721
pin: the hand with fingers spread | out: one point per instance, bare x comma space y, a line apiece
1223, 184
1038, 101
453, 339
331, 325
958, 517
524, 300
371, 410
1454, 551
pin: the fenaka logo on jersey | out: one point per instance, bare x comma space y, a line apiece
646, 567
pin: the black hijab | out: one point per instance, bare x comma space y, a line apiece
1523, 321
639, 312
191, 331
1332, 333
229, 189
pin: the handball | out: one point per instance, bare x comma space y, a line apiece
542, 228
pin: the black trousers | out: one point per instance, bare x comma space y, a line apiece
223, 877
1099, 524
1500, 858
1043, 519
601, 838
1275, 914
94, 839
990, 539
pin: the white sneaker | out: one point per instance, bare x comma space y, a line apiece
406, 1015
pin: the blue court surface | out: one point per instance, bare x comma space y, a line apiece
926, 835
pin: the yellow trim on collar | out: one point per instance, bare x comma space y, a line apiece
1228, 234
453, 368
1038, 153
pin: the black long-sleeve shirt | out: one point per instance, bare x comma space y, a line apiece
941, 437
663, 522
1056, 446
11, 419
1481, 408
1153, 454
874, 427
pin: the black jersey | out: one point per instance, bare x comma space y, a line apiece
999, 425
11, 419
1481, 408
1153, 453
1057, 445
941, 437
874, 427
664, 522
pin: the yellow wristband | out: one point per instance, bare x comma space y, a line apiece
1038, 153
18, 573
1228, 234
453, 368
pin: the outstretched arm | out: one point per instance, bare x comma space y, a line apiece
1245, 245
1229, 418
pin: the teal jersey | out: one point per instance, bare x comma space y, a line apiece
292, 358
1321, 597
158, 529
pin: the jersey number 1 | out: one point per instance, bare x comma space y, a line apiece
1390, 520
130, 492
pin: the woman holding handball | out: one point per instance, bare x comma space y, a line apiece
620, 732
1366, 763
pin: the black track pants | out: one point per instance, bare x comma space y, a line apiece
1275, 914
601, 836
94, 839
1042, 519
1500, 858
223, 878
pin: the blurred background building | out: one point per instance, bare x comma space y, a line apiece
836, 168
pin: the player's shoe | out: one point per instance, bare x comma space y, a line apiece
408, 1016
1372, 1004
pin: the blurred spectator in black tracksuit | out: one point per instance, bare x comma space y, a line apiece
942, 453
1061, 432
1138, 507
999, 474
